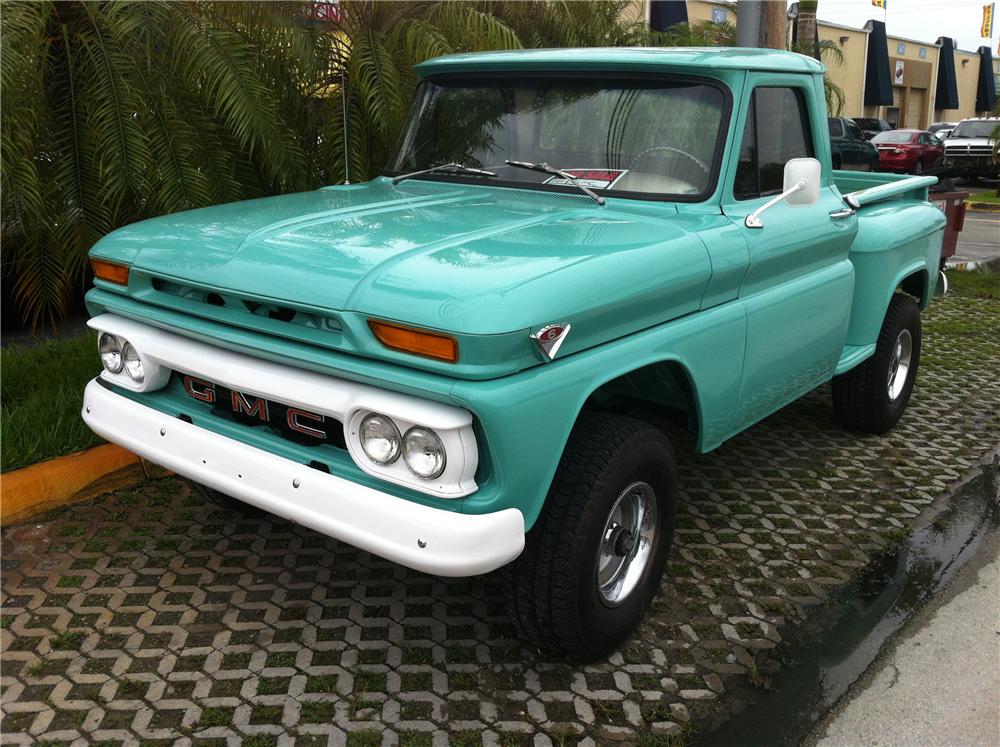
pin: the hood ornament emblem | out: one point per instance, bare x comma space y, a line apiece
550, 338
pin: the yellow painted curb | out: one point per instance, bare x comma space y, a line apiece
57, 482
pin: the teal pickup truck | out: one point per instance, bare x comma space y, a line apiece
463, 365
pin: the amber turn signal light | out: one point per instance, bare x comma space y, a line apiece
416, 341
110, 271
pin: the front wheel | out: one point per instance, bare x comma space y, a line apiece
872, 396
593, 560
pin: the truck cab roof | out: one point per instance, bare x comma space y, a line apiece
637, 59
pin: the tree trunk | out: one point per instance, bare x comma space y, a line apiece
807, 24
774, 25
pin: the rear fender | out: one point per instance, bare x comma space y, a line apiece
898, 246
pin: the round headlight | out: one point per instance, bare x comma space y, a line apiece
111, 352
133, 366
380, 438
423, 453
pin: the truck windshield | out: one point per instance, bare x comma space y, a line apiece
651, 137
982, 128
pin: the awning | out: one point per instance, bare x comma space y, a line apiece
878, 76
664, 14
986, 92
946, 96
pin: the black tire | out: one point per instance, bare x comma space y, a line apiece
862, 399
918, 168
552, 588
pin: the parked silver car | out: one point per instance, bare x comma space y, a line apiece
968, 151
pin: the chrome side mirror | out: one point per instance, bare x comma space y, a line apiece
801, 187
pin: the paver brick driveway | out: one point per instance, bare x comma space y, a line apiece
150, 615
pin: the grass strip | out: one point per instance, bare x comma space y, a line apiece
979, 283
40, 399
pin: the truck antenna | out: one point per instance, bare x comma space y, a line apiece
343, 105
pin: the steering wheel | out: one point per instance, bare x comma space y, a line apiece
684, 153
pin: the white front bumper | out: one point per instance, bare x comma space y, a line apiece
427, 539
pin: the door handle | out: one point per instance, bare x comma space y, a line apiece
841, 214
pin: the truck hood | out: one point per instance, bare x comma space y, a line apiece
466, 259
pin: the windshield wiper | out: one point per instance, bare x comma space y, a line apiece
454, 168
546, 169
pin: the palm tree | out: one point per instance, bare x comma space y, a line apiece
696, 34
709, 34
370, 76
806, 23
380, 42
115, 111
827, 51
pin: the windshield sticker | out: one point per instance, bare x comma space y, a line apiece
593, 178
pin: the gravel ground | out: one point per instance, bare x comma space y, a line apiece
149, 616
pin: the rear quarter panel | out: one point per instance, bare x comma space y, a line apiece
896, 238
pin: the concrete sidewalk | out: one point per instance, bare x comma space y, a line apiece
939, 683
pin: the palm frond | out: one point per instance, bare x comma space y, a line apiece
117, 110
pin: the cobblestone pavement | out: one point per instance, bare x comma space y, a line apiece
148, 615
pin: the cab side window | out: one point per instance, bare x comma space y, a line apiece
776, 130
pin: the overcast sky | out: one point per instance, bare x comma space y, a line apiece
923, 20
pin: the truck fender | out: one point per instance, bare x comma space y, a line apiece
526, 419
666, 381
898, 248
917, 280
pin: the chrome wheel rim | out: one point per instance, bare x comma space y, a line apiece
899, 364
627, 543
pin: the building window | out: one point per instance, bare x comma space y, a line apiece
923, 53
719, 15
900, 48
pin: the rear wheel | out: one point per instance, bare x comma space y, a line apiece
872, 396
918, 168
593, 560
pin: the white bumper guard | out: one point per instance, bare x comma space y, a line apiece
427, 539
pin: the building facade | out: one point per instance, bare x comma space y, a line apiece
894, 78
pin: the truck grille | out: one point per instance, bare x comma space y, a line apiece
968, 150
280, 319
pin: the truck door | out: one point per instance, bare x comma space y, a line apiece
797, 290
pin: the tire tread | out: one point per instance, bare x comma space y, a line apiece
540, 583
857, 393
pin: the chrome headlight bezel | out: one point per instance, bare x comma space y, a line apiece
372, 423
136, 371
133, 363
455, 474
425, 441
109, 348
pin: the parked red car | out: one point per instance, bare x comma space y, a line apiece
909, 151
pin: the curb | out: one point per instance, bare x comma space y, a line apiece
986, 207
58, 482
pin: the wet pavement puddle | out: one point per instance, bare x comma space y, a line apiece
844, 636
